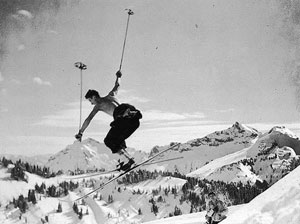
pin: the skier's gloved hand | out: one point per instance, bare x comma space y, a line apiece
78, 136
119, 74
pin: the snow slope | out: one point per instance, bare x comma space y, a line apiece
277, 205
280, 204
12, 189
211, 167
194, 218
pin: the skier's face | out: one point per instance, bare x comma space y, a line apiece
92, 100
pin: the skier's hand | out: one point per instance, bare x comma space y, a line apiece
119, 74
78, 136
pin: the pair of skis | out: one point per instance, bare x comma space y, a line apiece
145, 162
82, 176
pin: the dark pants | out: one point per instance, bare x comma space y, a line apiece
126, 121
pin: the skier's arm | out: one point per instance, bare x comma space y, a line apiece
114, 91
88, 120
86, 123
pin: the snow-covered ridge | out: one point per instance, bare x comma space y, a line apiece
268, 159
239, 133
88, 155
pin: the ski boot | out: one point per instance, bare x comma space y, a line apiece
124, 167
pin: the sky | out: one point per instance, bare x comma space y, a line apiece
192, 68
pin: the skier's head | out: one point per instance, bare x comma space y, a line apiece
90, 93
91, 96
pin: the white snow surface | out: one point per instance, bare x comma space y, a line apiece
280, 204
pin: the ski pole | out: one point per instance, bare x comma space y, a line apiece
80, 66
130, 12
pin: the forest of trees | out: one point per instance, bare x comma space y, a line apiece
17, 171
235, 193
20, 167
52, 191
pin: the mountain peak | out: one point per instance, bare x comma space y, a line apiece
242, 128
282, 130
237, 125
85, 155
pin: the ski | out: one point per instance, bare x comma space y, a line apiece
75, 177
127, 171
161, 161
90, 175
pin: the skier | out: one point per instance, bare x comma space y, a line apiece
126, 121
216, 209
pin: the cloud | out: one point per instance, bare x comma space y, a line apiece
155, 119
39, 81
52, 32
35, 145
156, 115
21, 47
3, 110
23, 13
129, 96
229, 110
69, 118
4, 92
16, 81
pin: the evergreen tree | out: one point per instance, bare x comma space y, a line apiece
140, 211
33, 198
110, 199
75, 208
59, 208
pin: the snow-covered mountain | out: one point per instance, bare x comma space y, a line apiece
239, 153
208, 157
198, 152
92, 155
88, 155
267, 159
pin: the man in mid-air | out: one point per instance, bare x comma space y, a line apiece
126, 121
